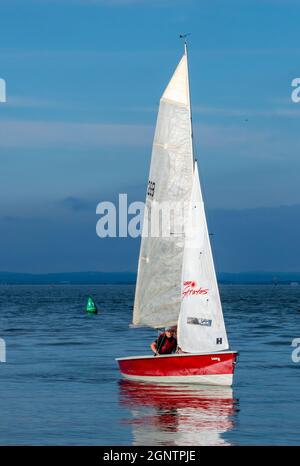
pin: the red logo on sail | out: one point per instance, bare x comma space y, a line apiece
190, 289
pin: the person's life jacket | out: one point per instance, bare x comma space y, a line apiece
166, 345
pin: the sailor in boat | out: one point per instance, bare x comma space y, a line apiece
166, 343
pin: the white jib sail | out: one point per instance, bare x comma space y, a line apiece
201, 325
158, 289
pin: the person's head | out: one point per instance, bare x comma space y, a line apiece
169, 331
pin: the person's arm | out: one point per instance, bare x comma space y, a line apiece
156, 344
153, 346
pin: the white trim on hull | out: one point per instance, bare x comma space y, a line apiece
224, 380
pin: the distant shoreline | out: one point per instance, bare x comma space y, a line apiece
129, 278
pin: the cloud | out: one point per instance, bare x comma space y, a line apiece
124, 2
149, 3
52, 134
105, 3
18, 55
241, 139
15, 219
282, 112
289, 110
79, 55
244, 240
77, 204
31, 102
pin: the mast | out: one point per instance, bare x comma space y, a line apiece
185, 44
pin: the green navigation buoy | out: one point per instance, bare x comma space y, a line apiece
91, 306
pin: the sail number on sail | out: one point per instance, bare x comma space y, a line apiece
151, 188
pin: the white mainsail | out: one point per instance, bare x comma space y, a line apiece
157, 296
200, 325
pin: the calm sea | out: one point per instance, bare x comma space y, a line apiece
61, 385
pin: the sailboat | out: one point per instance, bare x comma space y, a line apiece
176, 280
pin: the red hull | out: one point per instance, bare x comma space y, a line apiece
214, 368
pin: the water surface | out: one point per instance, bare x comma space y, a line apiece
61, 385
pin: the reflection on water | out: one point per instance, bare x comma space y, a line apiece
178, 415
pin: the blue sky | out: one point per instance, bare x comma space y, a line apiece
83, 84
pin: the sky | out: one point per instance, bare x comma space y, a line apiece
84, 78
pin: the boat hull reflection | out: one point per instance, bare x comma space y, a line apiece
178, 415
